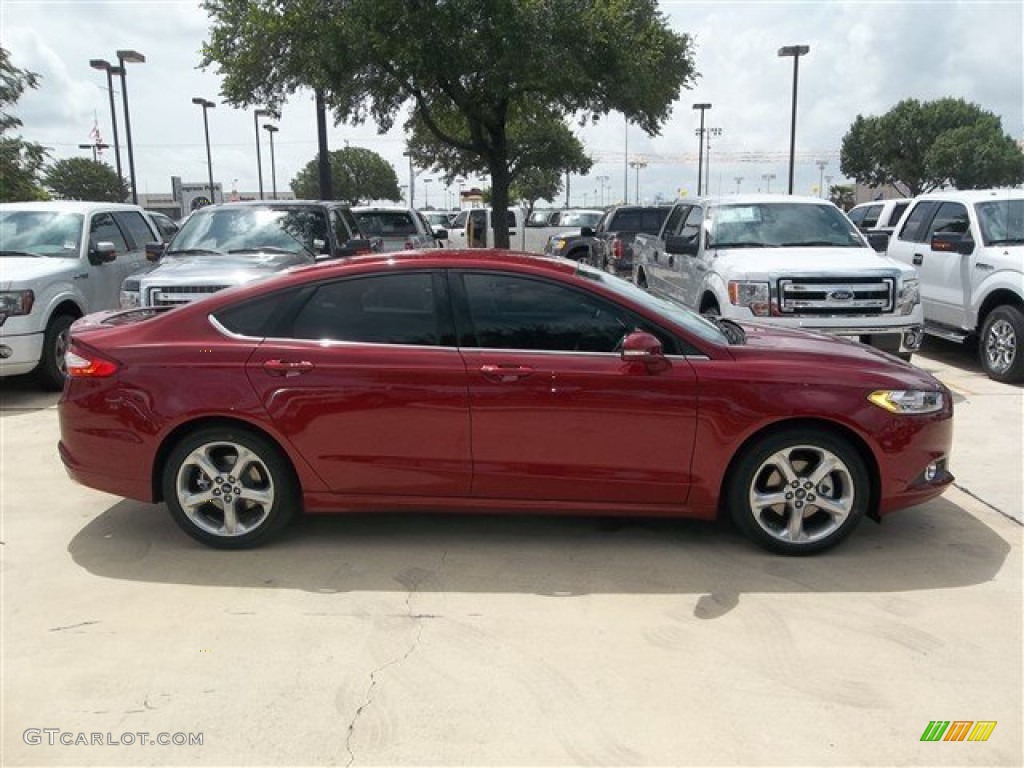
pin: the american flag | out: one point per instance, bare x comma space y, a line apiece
94, 134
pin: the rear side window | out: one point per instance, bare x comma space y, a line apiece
136, 227
871, 214
857, 215
913, 229
896, 214
256, 317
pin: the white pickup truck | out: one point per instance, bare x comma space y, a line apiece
782, 260
968, 248
58, 262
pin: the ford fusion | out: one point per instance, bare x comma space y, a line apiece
491, 381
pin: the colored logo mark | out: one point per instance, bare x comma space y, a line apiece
958, 730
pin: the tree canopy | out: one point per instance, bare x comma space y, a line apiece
475, 74
80, 178
20, 161
358, 175
917, 147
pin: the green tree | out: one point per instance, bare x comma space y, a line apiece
842, 195
357, 175
917, 147
488, 64
79, 178
20, 161
534, 185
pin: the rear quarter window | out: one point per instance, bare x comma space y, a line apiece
257, 317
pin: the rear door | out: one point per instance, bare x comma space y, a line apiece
365, 377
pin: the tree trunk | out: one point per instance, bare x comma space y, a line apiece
500, 180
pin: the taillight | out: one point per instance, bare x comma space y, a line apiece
617, 248
87, 364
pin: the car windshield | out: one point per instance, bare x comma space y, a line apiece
41, 233
677, 313
1002, 221
781, 225
580, 219
386, 223
253, 228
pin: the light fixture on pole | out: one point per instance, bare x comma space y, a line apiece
738, 180
822, 164
272, 129
206, 104
133, 57
259, 160
96, 149
412, 181
700, 144
111, 70
637, 164
768, 181
796, 51
602, 180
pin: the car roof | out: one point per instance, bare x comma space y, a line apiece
460, 258
974, 195
889, 200
374, 208
272, 204
762, 198
68, 206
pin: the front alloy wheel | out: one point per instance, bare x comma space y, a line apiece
1000, 344
799, 492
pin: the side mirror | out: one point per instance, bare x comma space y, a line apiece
154, 251
319, 246
103, 253
953, 242
586, 231
355, 247
440, 233
878, 240
642, 347
681, 246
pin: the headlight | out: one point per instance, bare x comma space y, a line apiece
907, 400
130, 294
910, 296
15, 303
756, 296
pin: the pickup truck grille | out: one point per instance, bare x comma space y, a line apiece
817, 296
172, 295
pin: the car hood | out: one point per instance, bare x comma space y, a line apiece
807, 261
242, 266
823, 356
22, 271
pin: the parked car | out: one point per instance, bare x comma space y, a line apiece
612, 246
59, 261
488, 380
968, 249
474, 228
225, 245
576, 235
784, 260
398, 229
879, 216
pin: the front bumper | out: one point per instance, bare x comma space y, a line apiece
20, 354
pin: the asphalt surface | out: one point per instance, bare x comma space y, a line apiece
446, 640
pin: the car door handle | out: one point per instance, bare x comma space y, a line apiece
287, 367
81, 276
505, 373
918, 259
983, 266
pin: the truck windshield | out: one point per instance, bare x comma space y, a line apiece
40, 233
781, 225
1002, 221
253, 228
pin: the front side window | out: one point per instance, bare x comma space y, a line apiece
384, 309
105, 230
136, 227
41, 233
675, 219
951, 218
339, 225
871, 214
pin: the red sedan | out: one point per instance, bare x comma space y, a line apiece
478, 380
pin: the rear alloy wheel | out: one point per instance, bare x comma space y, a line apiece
999, 347
229, 488
799, 492
53, 368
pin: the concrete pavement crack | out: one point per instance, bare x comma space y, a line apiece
368, 699
993, 507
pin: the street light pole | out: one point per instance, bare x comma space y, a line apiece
638, 164
206, 104
111, 71
272, 129
796, 51
707, 172
136, 58
259, 160
700, 144
601, 180
768, 181
412, 181
426, 192
739, 180
821, 180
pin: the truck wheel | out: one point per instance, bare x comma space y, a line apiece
999, 345
52, 368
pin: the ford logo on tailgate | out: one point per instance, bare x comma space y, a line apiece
841, 295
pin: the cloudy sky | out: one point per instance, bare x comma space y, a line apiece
866, 55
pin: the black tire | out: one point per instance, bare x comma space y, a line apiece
52, 370
711, 310
999, 347
796, 524
641, 279
905, 356
264, 496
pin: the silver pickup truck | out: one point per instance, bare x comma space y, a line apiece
227, 245
782, 260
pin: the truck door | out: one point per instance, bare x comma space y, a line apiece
659, 267
945, 275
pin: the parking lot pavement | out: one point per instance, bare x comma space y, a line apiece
510, 641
